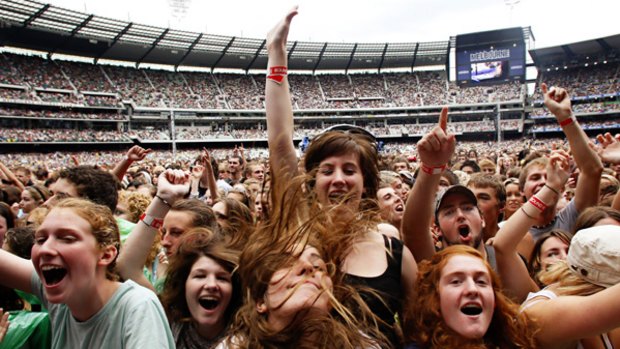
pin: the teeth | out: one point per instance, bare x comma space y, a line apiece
209, 298
50, 267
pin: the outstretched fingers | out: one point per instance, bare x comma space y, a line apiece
279, 34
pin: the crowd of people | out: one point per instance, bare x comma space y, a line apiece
346, 243
194, 90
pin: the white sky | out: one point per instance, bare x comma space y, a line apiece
553, 22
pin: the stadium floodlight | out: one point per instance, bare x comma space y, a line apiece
511, 4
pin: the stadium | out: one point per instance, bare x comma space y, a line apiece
50, 104
165, 188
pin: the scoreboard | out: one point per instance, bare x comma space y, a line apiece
491, 57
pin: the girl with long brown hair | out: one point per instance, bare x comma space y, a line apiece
342, 165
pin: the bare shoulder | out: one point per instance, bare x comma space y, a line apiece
388, 230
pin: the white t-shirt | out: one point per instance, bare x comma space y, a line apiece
132, 318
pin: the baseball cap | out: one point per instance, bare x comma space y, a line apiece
455, 189
594, 255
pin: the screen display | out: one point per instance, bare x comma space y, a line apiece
485, 61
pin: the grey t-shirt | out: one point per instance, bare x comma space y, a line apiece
132, 318
564, 220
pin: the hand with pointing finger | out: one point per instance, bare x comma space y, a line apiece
437, 147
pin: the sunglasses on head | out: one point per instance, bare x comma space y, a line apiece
352, 129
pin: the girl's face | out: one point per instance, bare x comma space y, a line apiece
338, 176
466, 296
302, 286
208, 290
27, 202
551, 251
67, 257
221, 214
514, 198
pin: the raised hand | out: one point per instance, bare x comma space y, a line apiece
173, 185
558, 170
276, 38
437, 147
608, 149
557, 101
197, 171
137, 153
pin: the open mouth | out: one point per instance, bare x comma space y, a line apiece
471, 310
399, 208
209, 303
53, 275
464, 231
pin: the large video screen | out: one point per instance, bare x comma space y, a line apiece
481, 61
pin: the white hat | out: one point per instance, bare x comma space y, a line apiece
594, 255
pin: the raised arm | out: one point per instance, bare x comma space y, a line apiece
208, 180
513, 272
278, 101
570, 318
15, 272
172, 185
11, 176
435, 150
135, 153
558, 102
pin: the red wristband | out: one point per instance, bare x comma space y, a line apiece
276, 78
279, 70
151, 221
433, 169
567, 121
536, 202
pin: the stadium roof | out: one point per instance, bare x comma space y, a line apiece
607, 48
43, 27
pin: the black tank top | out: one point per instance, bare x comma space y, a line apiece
387, 286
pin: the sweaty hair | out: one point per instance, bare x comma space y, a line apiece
424, 324
202, 215
96, 185
277, 244
482, 180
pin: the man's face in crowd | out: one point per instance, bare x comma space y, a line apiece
61, 189
488, 203
22, 176
233, 165
400, 166
460, 221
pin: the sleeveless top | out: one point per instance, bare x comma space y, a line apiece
551, 295
387, 286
